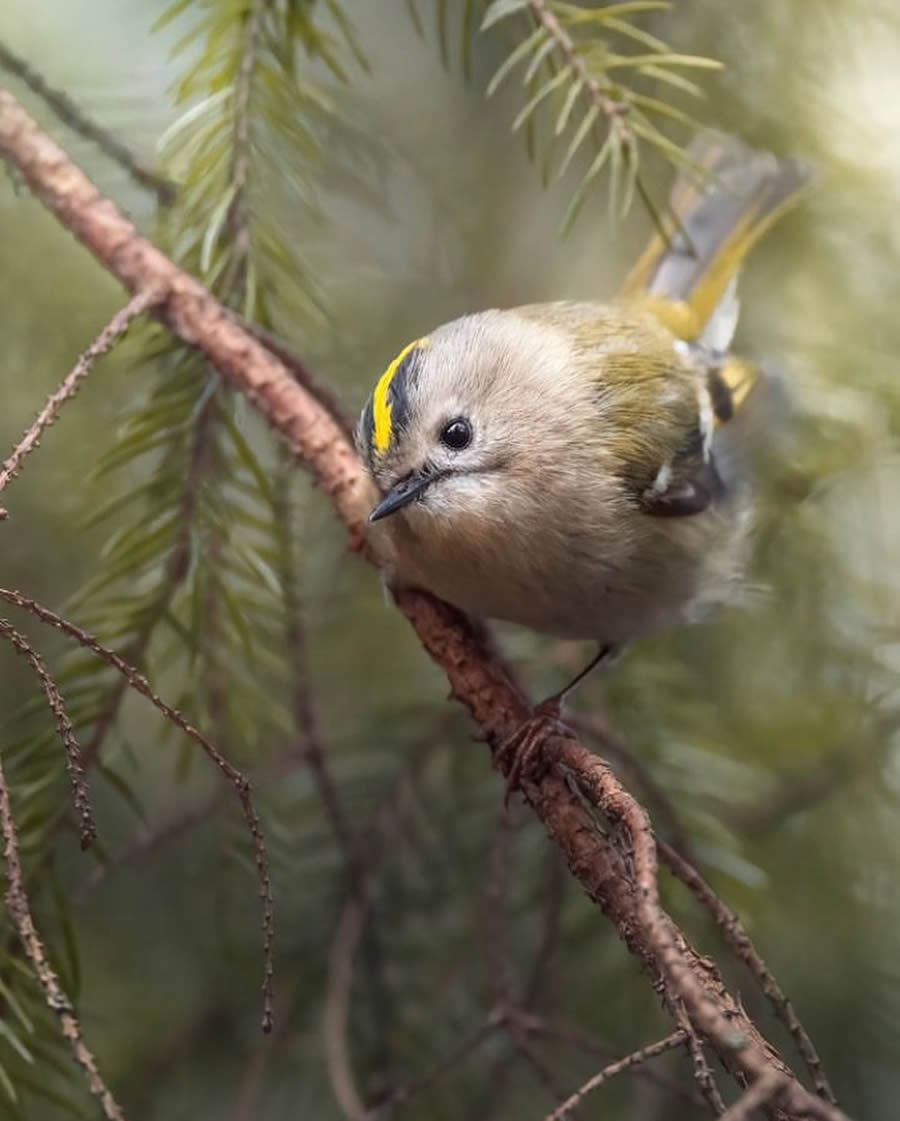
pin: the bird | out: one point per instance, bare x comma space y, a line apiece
576, 467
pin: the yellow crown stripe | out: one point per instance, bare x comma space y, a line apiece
381, 406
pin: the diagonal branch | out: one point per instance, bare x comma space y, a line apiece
739, 941
578, 794
763, 1090
104, 342
676, 1039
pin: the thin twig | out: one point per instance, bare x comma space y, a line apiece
676, 1039
57, 1001
764, 1090
111, 333
73, 116
572, 1035
703, 1074
737, 938
74, 765
237, 779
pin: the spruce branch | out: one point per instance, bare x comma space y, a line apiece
577, 793
575, 71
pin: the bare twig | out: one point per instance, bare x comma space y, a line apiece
764, 1089
104, 342
57, 1001
237, 779
70, 114
676, 1039
703, 1074
572, 1035
739, 941
74, 765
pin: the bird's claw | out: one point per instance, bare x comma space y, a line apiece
521, 754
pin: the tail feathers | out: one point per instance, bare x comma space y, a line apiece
731, 196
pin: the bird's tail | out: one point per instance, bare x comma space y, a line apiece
688, 273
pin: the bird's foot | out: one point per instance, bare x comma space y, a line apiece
522, 752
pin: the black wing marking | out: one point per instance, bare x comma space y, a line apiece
686, 485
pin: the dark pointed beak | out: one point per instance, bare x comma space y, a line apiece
401, 494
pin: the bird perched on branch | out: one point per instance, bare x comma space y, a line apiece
572, 466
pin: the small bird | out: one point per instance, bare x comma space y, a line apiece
566, 466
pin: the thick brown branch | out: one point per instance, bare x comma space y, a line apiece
57, 1001
603, 832
190, 311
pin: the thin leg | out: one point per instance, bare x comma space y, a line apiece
606, 653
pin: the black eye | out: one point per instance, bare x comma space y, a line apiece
456, 434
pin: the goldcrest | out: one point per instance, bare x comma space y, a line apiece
566, 466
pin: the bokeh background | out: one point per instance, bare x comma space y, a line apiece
769, 733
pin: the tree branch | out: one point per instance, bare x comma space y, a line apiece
676, 1039
616, 864
77, 120
67, 389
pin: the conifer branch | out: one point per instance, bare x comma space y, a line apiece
617, 866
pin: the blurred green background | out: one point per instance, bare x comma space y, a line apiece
405, 201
